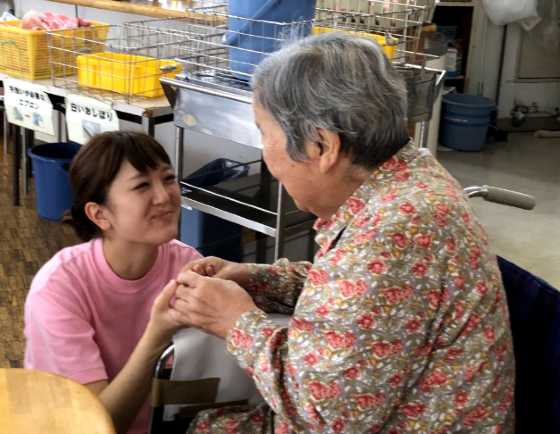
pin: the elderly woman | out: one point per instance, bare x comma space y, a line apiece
400, 325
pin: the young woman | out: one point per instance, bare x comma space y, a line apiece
99, 312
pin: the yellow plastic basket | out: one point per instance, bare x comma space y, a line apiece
126, 74
25, 54
388, 49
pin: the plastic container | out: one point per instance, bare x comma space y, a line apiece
50, 168
464, 121
388, 49
210, 235
127, 74
258, 27
25, 54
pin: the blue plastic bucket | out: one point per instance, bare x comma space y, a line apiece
464, 121
258, 27
50, 169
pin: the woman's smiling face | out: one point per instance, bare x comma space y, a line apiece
143, 207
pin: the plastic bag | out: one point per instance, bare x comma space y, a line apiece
547, 33
502, 12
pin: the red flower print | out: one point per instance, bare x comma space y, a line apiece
400, 240
319, 390
413, 410
476, 415
389, 197
419, 269
391, 164
340, 340
369, 400
351, 373
301, 324
481, 288
267, 331
461, 398
313, 413
318, 276
489, 334
355, 204
336, 256
396, 295
459, 282
257, 418
442, 209
310, 359
346, 288
402, 176
322, 310
281, 428
423, 350
407, 208
435, 379
435, 298
366, 321
241, 339
466, 218
395, 380
362, 221
421, 185
472, 322
450, 244
383, 348
322, 224
366, 236
412, 325
377, 266
202, 425
338, 425
423, 240
453, 353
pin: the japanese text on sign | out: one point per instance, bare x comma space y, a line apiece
86, 117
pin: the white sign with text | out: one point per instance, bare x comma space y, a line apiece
86, 117
28, 105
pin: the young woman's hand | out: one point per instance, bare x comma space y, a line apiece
212, 266
163, 324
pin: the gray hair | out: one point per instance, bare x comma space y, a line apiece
341, 83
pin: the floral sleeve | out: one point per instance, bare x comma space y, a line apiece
276, 287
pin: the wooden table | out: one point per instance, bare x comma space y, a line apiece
35, 402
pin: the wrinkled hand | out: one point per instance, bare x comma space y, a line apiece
209, 303
211, 266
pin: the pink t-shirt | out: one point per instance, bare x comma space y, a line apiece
83, 321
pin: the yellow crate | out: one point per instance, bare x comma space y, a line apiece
25, 54
127, 74
388, 49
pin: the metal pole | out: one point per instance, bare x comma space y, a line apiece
279, 239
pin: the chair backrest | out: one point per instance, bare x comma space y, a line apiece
534, 308
203, 375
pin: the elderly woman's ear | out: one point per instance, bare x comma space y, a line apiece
325, 150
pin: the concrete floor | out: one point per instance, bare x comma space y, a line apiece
531, 239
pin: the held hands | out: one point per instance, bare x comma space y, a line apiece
212, 266
210, 303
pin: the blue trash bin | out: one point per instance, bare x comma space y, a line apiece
210, 235
50, 163
464, 121
259, 27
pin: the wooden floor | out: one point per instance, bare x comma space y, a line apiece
26, 242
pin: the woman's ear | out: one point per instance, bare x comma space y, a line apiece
97, 214
327, 149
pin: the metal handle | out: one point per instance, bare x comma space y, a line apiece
184, 84
502, 195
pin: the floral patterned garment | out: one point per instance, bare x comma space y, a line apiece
399, 326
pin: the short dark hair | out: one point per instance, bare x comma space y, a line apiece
96, 165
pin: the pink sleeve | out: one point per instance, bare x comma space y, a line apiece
60, 338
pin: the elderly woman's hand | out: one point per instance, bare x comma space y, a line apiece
213, 266
209, 303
